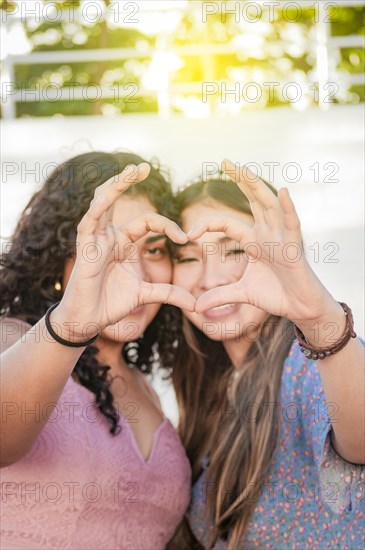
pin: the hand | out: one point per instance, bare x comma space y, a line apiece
102, 292
277, 279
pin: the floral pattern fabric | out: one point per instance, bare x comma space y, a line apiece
312, 499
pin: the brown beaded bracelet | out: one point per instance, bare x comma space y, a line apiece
314, 353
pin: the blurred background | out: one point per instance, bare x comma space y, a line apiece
164, 51
277, 84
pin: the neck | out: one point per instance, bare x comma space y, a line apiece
237, 351
237, 348
110, 353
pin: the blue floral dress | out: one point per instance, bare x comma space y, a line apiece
312, 498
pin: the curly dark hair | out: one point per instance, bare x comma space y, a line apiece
45, 238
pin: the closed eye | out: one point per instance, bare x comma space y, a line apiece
184, 260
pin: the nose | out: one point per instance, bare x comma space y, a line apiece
215, 273
138, 266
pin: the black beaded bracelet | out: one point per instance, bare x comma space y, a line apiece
61, 340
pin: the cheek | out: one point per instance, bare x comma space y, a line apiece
235, 266
215, 331
176, 276
160, 272
186, 275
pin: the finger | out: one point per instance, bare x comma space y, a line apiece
98, 214
263, 202
94, 216
114, 187
105, 196
233, 228
219, 296
152, 293
131, 175
150, 221
291, 218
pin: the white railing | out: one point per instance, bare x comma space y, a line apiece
322, 44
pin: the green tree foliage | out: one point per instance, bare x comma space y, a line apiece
235, 51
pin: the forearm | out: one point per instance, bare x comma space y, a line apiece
34, 371
343, 379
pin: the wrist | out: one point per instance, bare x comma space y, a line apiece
325, 329
317, 350
64, 324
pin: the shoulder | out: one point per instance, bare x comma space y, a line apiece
12, 330
299, 373
295, 361
297, 366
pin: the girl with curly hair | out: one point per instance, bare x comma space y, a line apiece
89, 460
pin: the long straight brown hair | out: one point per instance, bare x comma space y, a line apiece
231, 420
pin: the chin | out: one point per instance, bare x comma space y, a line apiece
126, 330
221, 332
132, 326
237, 328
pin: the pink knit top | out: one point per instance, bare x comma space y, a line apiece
82, 488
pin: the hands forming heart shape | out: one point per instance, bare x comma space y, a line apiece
277, 279
104, 290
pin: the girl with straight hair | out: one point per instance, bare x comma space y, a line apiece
269, 377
